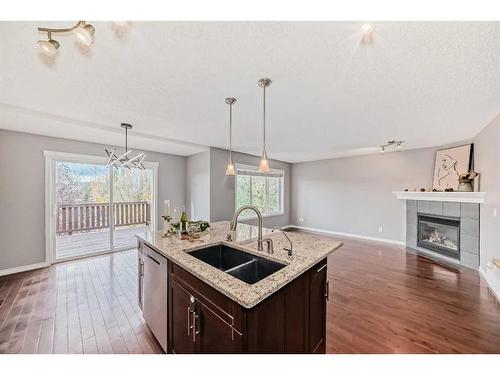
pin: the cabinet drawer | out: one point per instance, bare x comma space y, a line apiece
226, 309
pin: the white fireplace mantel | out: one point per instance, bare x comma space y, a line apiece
455, 196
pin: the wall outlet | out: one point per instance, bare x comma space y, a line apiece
494, 212
301, 219
380, 229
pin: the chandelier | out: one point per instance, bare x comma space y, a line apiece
126, 160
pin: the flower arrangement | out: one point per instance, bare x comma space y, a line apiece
466, 177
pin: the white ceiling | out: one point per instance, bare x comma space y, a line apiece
429, 83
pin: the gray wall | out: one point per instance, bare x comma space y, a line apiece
222, 192
22, 195
487, 162
349, 195
354, 195
198, 186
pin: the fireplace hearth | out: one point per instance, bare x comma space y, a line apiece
439, 234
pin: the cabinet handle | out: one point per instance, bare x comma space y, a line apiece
322, 267
195, 318
153, 259
189, 326
327, 290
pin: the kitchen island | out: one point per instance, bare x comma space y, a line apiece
221, 295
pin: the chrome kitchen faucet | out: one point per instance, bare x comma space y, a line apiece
234, 224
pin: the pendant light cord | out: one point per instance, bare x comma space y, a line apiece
126, 139
264, 118
230, 132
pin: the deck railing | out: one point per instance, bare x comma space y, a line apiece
90, 216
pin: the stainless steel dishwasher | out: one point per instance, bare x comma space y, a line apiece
155, 294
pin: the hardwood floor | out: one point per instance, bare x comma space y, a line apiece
387, 300
382, 300
85, 306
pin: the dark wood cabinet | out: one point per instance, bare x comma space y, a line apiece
292, 320
182, 306
214, 334
203, 320
196, 328
297, 315
318, 294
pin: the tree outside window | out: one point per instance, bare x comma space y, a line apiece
265, 191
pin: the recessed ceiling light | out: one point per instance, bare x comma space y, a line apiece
121, 24
121, 28
367, 30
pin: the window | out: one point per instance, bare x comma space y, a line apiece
263, 190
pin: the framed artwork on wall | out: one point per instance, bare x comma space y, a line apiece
450, 163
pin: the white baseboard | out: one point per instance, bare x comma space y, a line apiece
492, 281
377, 239
29, 267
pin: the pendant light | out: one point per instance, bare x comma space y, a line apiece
264, 162
124, 160
230, 165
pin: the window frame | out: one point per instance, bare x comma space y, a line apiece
251, 168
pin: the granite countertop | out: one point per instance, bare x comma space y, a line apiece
308, 250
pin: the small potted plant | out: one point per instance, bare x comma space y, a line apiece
466, 180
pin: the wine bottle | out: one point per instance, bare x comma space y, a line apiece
184, 220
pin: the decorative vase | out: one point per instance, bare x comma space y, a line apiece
465, 186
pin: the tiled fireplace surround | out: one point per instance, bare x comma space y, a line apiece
469, 226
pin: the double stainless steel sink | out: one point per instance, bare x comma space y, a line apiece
247, 267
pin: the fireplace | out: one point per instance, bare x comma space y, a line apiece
439, 234
447, 230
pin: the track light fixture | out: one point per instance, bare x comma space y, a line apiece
82, 30
124, 160
392, 143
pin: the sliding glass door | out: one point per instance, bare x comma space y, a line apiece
93, 209
133, 199
82, 209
